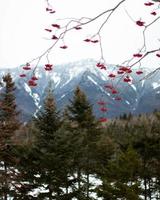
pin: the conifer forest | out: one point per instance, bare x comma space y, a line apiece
72, 155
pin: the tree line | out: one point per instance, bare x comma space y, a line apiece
71, 155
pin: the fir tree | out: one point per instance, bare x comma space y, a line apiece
146, 143
47, 123
9, 124
85, 134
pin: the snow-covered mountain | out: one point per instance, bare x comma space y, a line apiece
137, 97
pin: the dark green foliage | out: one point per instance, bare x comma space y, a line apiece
9, 124
62, 155
80, 111
121, 177
49, 173
85, 136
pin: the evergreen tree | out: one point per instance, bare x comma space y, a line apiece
28, 165
47, 123
147, 144
85, 134
9, 124
64, 153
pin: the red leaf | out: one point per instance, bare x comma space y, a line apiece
56, 26
140, 23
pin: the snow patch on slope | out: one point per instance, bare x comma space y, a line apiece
36, 99
134, 87
155, 85
143, 81
28, 89
56, 79
91, 79
127, 102
62, 96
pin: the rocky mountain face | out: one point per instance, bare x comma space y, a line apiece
139, 96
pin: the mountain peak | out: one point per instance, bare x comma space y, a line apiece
136, 97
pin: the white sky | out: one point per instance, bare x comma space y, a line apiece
22, 35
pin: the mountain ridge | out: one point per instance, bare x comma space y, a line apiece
137, 97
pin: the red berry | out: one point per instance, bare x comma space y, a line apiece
140, 23
118, 98
114, 91
101, 65
153, 13
34, 78
103, 119
56, 26
94, 41
48, 67
53, 11
22, 75
149, 4
138, 55
87, 40
158, 55
32, 83
127, 79
78, 27
49, 30
124, 69
112, 75
103, 109
139, 72
120, 72
101, 103
54, 37
48, 9
109, 87
64, 47
26, 68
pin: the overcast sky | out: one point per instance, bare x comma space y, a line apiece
22, 35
